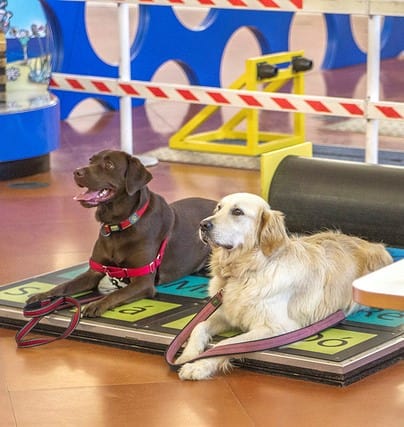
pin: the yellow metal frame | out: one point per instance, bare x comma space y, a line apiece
256, 142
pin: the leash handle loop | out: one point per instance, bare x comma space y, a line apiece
245, 346
38, 310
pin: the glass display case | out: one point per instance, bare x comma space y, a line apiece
29, 113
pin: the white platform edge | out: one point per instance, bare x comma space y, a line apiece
388, 280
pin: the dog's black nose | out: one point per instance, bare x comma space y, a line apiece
79, 172
205, 225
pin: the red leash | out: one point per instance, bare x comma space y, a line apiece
247, 346
38, 310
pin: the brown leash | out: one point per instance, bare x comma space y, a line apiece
247, 346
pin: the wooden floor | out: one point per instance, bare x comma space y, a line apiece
70, 383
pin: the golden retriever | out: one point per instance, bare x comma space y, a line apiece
272, 282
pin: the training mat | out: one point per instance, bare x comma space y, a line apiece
365, 342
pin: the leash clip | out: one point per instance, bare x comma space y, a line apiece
217, 300
105, 230
153, 266
105, 269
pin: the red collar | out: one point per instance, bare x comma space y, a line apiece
107, 229
120, 273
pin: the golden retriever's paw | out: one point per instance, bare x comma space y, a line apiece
182, 359
186, 356
200, 370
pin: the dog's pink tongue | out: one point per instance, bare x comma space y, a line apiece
87, 196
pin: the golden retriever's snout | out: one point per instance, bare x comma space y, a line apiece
205, 227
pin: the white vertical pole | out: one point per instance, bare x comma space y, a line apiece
373, 87
125, 103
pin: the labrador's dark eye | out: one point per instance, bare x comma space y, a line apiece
109, 165
237, 212
217, 208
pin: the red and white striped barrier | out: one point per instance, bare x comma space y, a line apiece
386, 110
250, 4
352, 7
324, 105
285, 5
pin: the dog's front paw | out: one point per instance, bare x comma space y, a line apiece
94, 309
38, 297
189, 353
193, 349
199, 370
184, 358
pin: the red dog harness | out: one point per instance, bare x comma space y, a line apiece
122, 272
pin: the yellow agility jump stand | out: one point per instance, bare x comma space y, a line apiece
261, 73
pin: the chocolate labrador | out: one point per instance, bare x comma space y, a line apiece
142, 239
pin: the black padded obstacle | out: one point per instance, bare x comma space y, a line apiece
358, 199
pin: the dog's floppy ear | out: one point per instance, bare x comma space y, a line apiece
137, 176
272, 232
